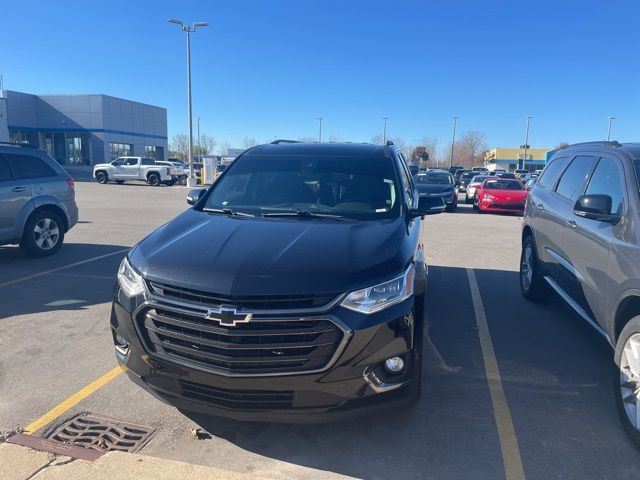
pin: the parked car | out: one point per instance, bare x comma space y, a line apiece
529, 184
581, 239
133, 168
470, 194
37, 200
270, 324
178, 172
459, 173
438, 183
507, 175
414, 169
500, 195
520, 173
465, 179
529, 176
453, 170
480, 169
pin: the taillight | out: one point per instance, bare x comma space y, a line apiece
72, 185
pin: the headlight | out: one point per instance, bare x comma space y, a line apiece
471, 189
489, 197
373, 299
130, 281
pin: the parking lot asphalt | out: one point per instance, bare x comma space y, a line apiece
558, 418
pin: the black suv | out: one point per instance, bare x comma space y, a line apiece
302, 294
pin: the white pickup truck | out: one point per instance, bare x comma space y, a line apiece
133, 168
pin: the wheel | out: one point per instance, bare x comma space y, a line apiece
119, 182
475, 203
415, 388
626, 382
532, 285
43, 234
102, 177
153, 179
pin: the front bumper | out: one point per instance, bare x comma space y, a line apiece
353, 381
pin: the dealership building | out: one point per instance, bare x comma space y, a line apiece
511, 158
82, 130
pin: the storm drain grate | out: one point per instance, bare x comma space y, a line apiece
103, 434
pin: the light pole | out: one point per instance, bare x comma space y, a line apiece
384, 132
609, 129
199, 147
453, 140
188, 29
319, 128
526, 142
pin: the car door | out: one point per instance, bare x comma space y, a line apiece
587, 243
130, 168
12, 199
543, 218
117, 170
568, 188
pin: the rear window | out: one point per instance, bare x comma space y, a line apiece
468, 175
502, 185
434, 178
28, 166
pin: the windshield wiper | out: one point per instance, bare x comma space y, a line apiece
303, 214
227, 211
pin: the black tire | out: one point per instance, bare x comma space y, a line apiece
170, 183
622, 374
475, 203
43, 233
532, 284
102, 177
119, 182
153, 179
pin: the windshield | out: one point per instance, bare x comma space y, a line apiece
478, 178
434, 178
468, 175
349, 187
502, 185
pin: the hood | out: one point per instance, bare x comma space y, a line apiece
434, 188
256, 256
511, 194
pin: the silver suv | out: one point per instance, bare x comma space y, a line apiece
581, 239
37, 200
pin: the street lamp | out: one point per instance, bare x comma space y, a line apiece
188, 29
320, 129
526, 142
384, 132
199, 144
453, 140
609, 129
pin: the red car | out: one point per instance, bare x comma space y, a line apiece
500, 195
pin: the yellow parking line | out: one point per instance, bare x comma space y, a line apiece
511, 458
64, 267
73, 400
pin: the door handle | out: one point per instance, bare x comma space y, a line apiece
19, 189
540, 206
571, 224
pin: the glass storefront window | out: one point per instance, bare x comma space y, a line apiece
120, 150
157, 153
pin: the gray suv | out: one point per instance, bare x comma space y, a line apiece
37, 200
581, 239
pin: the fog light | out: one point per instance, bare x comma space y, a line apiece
122, 345
394, 365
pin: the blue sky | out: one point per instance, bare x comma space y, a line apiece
267, 69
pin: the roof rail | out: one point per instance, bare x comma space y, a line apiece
613, 143
389, 142
281, 140
14, 144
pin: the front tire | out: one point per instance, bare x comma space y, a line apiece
532, 284
43, 234
102, 177
627, 379
153, 179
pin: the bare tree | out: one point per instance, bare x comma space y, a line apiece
431, 147
208, 144
180, 144
399, 142
561, 146
471, 147
223, 148
334, 137
249, 142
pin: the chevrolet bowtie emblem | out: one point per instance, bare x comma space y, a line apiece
227, 316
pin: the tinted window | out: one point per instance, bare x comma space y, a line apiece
148, 161
131, 161
351, 187
435, 178
406, 180
468, 175
550, 171
607, 180
573, 178
5, 174
502, 185
28, 166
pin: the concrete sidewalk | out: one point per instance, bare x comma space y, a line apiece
23, 463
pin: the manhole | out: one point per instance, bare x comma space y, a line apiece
103, 434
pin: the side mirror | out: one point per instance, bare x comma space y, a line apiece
428, 206
595, 207
194, 195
